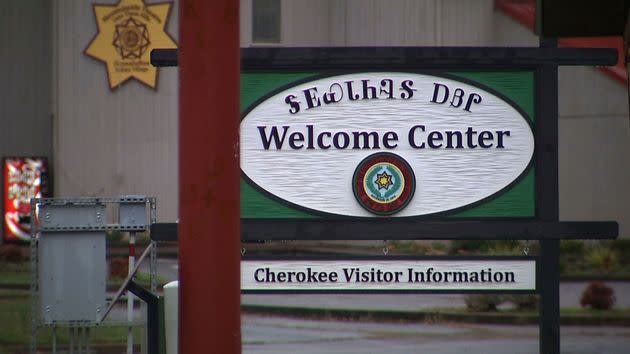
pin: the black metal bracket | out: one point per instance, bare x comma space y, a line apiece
164, 232
407, 57
153, 310
164, 57
253, 230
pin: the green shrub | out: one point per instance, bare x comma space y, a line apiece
498, 247
523, 302
571, 247
534, 248
621, 247
11, 253
602, 258
598, 296
468, 246
571, 255
118, 267
563, 266
482, 303
413, 247
422, 249
439, 246
143, 237
115, 236
506, 247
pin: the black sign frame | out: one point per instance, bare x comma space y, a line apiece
545, 227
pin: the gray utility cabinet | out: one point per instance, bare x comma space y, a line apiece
72, 276
72, 265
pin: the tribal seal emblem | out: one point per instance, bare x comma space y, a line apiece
383, 183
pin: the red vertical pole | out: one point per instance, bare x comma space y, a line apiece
209, 238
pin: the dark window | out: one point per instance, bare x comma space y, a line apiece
266, 21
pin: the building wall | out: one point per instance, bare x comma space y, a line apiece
110, 143
25, 95
379, 23
594, 137
25, 71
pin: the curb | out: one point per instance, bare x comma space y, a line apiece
432, 316
109, 287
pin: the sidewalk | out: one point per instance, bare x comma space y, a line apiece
417, 307
570, 293
430, 307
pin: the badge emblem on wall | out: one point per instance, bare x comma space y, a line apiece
127, 32
383, 183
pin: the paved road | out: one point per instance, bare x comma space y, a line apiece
276, 335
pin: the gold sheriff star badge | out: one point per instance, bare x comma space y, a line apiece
126, 34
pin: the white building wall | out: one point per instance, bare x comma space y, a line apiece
25, 54
594, 147
594, 137
125, 141
25, 94
379, 23
110, 143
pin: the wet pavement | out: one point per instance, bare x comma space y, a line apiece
277, 335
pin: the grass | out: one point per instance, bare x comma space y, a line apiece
15, 327
15, 312
143, 279
19, 275
565, 311
8, 294
572, 312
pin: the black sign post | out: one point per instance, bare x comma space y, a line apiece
547, 201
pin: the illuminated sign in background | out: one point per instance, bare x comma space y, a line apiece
24, 178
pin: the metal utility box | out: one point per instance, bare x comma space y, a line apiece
72, 268
131, 213
72, 274
69, 264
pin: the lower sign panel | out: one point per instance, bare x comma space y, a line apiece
389, 274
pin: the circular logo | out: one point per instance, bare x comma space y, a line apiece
131, 38
383, 183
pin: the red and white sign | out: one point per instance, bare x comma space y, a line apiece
24, 178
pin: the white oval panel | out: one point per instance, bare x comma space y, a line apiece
447, 178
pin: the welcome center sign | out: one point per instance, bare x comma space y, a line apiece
387, 144
404, 143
